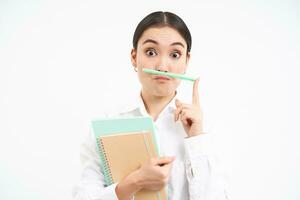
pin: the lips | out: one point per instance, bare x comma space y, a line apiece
161, 78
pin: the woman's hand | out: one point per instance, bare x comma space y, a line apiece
152, 175
190, 114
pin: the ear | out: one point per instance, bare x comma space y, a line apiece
133, 57
188, 55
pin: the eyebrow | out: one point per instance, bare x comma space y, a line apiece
155, 42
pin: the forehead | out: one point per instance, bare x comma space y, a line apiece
163, 35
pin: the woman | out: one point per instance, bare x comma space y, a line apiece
161, 41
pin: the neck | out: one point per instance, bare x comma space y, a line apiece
155, 104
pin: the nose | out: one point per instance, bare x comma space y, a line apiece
163, 65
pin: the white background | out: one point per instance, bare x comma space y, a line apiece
63, 62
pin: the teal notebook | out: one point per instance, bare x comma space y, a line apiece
119, 125
124, 144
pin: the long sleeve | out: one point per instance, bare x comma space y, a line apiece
205, 180
91, 185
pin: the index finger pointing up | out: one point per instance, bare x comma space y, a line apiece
196, 100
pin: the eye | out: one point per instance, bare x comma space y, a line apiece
151, 52
175, 55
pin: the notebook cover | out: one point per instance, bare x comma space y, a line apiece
133, 149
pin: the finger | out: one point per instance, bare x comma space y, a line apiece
164, 160
188, 114
178, 110
186, 120
166, 167
177, 103
182, 108
177, 113
196, 100
183, 118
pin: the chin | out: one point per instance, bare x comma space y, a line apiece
163, 92
160, 90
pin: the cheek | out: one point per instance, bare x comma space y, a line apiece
143, 61
178, 67
176, 82
144, 78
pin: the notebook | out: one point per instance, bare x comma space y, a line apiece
124, 144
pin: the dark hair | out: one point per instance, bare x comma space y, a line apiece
161, 19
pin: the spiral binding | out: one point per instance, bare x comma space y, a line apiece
106, 168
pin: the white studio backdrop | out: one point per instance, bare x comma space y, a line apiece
63, 62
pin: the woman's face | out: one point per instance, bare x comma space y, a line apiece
164, 49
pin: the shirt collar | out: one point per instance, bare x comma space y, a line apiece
137, 104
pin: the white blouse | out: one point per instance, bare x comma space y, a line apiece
194, 174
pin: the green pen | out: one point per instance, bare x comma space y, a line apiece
172, 75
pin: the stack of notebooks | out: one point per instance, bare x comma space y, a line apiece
124, 144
